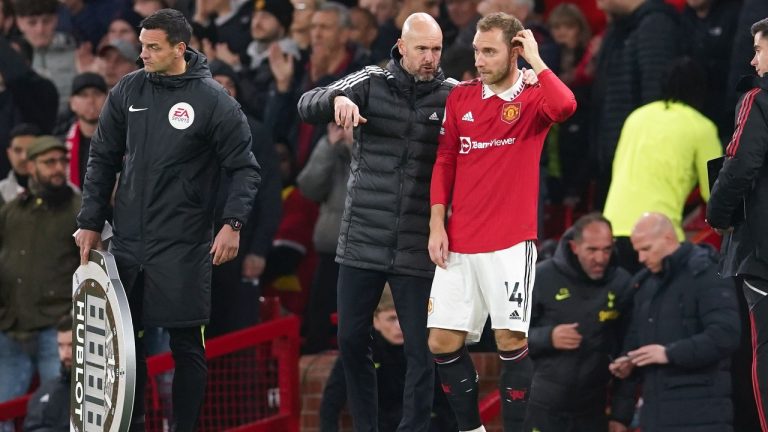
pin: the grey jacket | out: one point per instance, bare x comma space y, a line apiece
324, 180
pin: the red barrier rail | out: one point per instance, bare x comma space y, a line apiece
253, 382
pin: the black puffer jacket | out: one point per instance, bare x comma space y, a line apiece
169, 137
741, 188
385, 226
694, 314
575, 381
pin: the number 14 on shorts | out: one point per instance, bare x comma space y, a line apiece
515, 294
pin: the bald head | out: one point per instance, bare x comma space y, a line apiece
421, 45
654, 224
421, 23
654, 238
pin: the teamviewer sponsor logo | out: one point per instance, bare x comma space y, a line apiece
468, 144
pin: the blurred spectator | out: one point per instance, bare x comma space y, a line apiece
54, 52
37, 258
638, 46
48, 407
459, 63
90, 18
685, 326
330, 59
146, 8
230, 20
463, 14
572, 34
121, 28
301, 23
291, 261
709, 27
16, 182
383, 10
89, 91
581, 305
324, 181
235, 285
662, 154
363, 29
269, 29
387, 353
25, 96
7, 19
117, 58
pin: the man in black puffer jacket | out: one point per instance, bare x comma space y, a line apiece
385, 227
581, 303
685, 326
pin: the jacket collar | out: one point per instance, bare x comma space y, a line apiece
405, 79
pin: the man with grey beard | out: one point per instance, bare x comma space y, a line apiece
396, 112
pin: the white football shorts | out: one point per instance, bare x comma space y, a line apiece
473, 286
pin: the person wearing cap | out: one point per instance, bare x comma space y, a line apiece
89, 91
270, 25
17, 179
37, 259
117, 59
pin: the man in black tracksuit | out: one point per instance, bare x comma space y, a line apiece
738, 208
169, 129
581, 301
385, 226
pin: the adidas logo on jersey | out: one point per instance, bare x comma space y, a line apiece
434, 117
468, 117
514, 315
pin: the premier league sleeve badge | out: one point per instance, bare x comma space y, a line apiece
104, 354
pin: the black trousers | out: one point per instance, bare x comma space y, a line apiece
322, 301
542, 419
189, 378
755, 291
358, 294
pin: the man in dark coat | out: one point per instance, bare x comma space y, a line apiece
169, 129
581, 305
738, 208
396, 112
685, 326
639, 44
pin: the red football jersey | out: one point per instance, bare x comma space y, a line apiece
487, 165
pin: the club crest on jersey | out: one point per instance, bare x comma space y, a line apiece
181, 115
510, 112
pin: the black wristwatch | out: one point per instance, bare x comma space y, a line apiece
234, 223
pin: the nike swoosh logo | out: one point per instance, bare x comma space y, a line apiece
132, 109
560, 297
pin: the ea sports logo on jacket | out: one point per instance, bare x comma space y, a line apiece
181, 115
